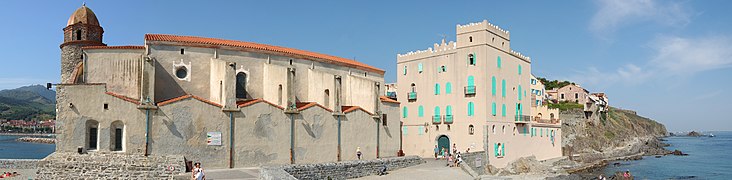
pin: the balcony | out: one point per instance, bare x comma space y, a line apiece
412, 96
469, 90
436, 119
546, 121
448, 119
522, 119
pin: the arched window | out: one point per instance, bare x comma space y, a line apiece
471, 59
493, 109
551, 116
519, 69
493, 129
443, 69
470, 38
437, 112
503, 129
437, 88
117, 131
414, 87
503, 110
420, 111
405, 70
493, 86
503, 88
419, 67
92, 135
498, 62
279, 95
471, 109
448, 88
241, 85
78, 34
471, 130
448, 114
514, 130
326, 98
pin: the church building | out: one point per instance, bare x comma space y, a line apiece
225, 103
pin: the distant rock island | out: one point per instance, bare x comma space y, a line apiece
694, 134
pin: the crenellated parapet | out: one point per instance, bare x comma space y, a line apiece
519, 55
484, 25
436, 49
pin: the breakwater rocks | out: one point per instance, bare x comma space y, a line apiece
37, 140
338, 170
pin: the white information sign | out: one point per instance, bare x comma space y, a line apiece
213, 138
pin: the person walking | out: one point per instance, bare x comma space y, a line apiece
437, 151
198, 172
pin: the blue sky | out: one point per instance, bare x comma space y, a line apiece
668, 60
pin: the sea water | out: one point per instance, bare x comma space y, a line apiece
709, 158
11, 149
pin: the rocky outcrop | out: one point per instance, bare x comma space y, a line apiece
37, 140
617, 133
694, 134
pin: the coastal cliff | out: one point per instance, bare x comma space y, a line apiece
618, 134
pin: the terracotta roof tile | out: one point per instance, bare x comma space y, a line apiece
113, 47
250, 102
305, 105
263, 47
169, 101
125, 98
348, 109
387, 99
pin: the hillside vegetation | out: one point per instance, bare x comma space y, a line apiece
28, 103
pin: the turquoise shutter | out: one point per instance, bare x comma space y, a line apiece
503, 88
519, 94
448, 88
503, 150
420, 111
405, 70
498, 62
419, 67
437, 88
471, 109
519, 69
471, 81
404, 112
493, 108
503, 110
493, 86
495, 149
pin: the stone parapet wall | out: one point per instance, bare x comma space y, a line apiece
338, 170
109, 165
476, 161
19, 163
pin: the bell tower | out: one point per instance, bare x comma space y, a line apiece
82, 30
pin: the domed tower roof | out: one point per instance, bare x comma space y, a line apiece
83, 15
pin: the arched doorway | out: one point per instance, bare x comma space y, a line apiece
443, 142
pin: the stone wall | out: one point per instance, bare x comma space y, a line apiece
19, 163
109, 165
338, 170
476, 161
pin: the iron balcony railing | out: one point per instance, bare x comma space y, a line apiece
448, 119
412, 96
436, 119
469, 90
523, 118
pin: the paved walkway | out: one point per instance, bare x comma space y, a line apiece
227, 174
430, 170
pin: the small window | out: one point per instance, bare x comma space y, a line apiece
404, 112
181, 72
576, 96
419, 67
437, 89
498, 62
78, 34
503, 129
290, 61
383, 120
420, 111
106, 106
182, 51
471, 130
471, 59
503, 43
443, 69
493, 129
470, 38
493, 39
448, 88
405, 70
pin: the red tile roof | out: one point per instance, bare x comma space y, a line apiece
213, 42
305, 105
187, 96
246, 103
387, 99
113, 47
348, 109
125, 98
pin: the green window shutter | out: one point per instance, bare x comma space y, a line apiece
419, 67
437, 110
519, 69
498, 62
448, 110
541, 132
503, 88
448, 88
503, 150
404, 130
471, 81
405, 70
503, 110
493, 108
421, 130
420, 111
495, 149
471, 108
525, 131
404, 112
493, 86
437, 89
519, 94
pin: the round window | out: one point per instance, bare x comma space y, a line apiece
181, 72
